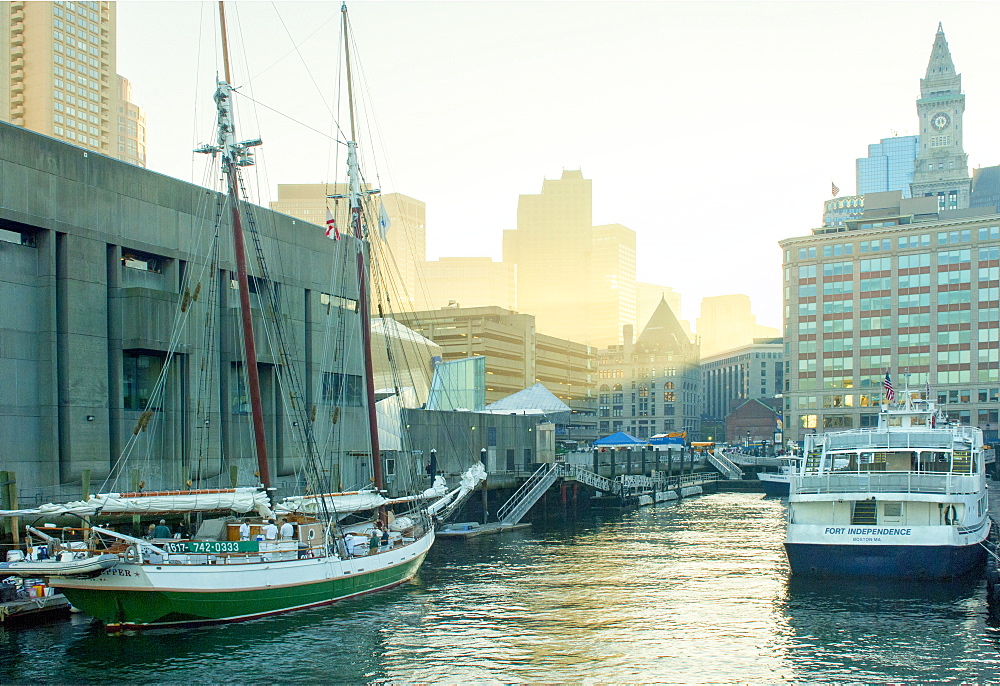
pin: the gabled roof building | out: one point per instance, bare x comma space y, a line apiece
651, 385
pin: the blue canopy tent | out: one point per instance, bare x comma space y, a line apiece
618, 440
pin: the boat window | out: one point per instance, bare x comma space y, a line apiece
892, 509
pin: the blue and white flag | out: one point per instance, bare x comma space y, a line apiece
383, 221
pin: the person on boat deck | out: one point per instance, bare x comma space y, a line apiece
162, 530
270, 531
150, 530
376, 538
287, 530
245, 531
385, 538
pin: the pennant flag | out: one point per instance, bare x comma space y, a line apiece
890, 394
927, 390
383, 221
331, 226
834, 189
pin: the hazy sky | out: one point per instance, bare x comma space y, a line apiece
712, 129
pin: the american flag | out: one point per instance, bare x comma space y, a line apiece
834, 189
890, 394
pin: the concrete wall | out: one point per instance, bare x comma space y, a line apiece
70, 308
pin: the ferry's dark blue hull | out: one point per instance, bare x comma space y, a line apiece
912, 562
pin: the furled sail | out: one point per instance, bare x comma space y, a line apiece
235, 499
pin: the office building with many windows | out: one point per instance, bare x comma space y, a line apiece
62, 79
750, 372
907, 289
889, 165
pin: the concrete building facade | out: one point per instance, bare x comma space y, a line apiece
727, 322
942, 167
62, 79
94, 260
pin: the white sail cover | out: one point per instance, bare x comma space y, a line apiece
472, 477
341, 503
237, 500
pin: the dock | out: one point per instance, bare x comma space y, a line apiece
34, 609
473, 529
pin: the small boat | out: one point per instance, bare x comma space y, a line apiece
777, 483
905, 500
66, 565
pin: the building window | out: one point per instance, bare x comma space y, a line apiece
342, 389
140, 370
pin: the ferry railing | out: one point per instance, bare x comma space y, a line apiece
887, 482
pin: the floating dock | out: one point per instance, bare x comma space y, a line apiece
34, 609
473, 529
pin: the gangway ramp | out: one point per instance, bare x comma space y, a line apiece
528, 494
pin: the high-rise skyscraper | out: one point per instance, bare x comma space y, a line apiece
889, 165
62, 79
942, 167
406, 240
576, 278
726, 323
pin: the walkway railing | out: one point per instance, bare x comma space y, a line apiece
725, 465
590, 478
518, 505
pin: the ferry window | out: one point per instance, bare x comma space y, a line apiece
892, 509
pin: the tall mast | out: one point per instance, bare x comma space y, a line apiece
235, 155
355, 194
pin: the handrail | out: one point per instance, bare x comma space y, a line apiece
725, 465
529, 493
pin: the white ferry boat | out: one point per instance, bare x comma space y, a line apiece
905, 500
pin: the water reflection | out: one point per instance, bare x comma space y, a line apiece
695, 591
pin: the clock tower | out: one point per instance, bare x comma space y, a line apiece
942, 167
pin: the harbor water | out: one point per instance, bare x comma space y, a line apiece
693, 591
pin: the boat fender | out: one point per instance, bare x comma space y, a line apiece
131, 554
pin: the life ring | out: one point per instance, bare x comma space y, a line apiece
311, 535
131, 554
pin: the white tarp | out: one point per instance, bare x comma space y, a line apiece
340, 503
237, 500
472, 477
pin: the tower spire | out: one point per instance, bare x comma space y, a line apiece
940, 64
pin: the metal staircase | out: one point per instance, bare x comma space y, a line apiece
529, 493
864, 513
726, 467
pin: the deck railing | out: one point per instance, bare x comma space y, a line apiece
887, 482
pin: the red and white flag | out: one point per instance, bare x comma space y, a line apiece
331, 226
890, 394
834, 189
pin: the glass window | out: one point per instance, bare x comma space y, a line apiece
140, 370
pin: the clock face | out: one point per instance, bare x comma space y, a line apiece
940, 121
